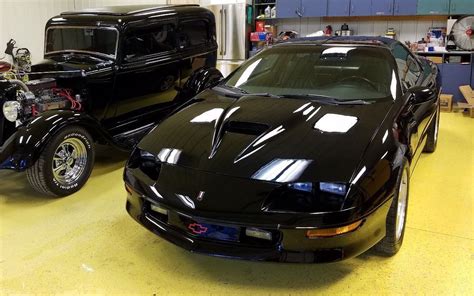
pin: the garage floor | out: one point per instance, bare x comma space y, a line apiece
86, 243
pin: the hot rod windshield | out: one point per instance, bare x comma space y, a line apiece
101, 41
335, 71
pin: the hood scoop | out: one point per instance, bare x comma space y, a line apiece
235, 127
246, 128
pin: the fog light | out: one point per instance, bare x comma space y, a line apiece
328, 232
159, 210
258, 233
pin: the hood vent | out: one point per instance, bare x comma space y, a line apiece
246, 128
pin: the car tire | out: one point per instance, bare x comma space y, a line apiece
432, 136
396, 218
65, 164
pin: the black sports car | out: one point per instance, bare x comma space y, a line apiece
303, 154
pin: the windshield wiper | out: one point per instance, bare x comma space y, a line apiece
268, 95
326, 100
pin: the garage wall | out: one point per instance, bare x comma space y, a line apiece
407, 29
24, 21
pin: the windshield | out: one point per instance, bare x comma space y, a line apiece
93, 40
342, 72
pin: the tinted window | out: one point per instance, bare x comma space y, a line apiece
155, 40
408, 69
98, 40
194, 33
335, 71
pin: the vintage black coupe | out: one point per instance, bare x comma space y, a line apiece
303, 154
109, 76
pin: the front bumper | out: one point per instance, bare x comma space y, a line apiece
291, 245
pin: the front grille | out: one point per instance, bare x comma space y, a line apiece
241, 239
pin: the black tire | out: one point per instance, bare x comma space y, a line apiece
391, 243
41, 176
432, 136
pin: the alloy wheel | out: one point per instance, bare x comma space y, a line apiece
402, 205
69, 161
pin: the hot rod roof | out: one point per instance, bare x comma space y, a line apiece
129, 10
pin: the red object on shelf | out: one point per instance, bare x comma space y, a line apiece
258, 36
260, 26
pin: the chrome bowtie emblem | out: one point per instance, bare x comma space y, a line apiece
200, 196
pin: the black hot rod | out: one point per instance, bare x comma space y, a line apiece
109, 76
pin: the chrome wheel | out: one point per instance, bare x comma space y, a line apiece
69, 161
402, 205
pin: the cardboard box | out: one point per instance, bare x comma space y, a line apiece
436, 60
446, 102
468, 94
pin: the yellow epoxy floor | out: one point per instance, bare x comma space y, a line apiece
86, 243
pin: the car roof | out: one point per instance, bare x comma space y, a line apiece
346, 40
120, 16
131, 10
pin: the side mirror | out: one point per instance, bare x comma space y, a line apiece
419, 94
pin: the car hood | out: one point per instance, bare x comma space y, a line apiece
73, 63
269, 139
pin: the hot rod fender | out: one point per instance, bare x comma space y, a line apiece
199, 81
24, 147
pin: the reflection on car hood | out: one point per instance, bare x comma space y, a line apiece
277, 140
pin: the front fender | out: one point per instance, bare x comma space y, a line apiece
24, 147
199, 81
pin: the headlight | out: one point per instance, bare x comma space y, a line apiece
306, 187
11, 110
334, 188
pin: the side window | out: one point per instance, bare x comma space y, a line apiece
149, 41
193, 33
408, 69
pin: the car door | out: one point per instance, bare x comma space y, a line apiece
197, 45
417, 115
147, 77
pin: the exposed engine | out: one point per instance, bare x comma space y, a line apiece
22, 98
38, 96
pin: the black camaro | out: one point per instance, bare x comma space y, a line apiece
303, 154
